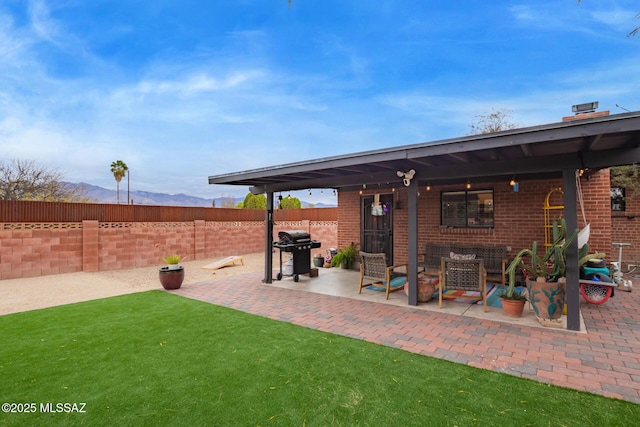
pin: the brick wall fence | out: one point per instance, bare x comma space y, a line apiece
38, 248
518, 217
30, 249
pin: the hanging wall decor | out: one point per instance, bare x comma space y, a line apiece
376, 207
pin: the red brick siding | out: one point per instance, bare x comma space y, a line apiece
348, 218
518, 217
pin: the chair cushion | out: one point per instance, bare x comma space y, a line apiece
454, 255
396, 282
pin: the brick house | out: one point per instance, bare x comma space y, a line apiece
518, 217
461, 190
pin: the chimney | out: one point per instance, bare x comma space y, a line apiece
585, 111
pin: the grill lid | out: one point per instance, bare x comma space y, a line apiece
293, 236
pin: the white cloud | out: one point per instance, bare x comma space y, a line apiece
176, 118
41, 22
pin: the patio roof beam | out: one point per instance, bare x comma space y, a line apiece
590, 143
559, 137
526, 150
389, 177
633, 140
540, 166
354, 163
462, 157
423, 162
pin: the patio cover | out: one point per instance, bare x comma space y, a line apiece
546, 151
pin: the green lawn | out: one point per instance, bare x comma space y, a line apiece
159, 359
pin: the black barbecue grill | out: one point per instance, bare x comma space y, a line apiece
298, 243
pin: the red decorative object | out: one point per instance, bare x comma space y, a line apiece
426, 288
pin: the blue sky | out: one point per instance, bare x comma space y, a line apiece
181, 90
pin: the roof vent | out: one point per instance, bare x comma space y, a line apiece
589, 107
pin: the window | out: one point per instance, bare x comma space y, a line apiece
473, 209
617, 199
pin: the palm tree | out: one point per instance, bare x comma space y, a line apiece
119, 170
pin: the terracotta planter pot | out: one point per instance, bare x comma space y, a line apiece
512, 307
426, 288
171, 279
547, 298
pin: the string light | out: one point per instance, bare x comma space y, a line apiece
468, 184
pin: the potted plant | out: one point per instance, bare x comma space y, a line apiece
512, 301
172, 261
546, 275
318, 260
172, 276
345, 257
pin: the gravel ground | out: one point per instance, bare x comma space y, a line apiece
18, 295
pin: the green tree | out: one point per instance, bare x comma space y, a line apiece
290, 203
25, 180
255, 201
626, 177
119, 170
495, 121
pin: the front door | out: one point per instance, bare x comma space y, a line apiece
376, 222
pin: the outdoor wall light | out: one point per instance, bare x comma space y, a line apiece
406, 176
514, 184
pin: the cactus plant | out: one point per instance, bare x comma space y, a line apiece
552, 265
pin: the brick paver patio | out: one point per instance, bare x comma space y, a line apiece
605, 360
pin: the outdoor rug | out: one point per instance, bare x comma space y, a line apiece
471, 297
468, 297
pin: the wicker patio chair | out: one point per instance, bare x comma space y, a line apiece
463, 274
375, 272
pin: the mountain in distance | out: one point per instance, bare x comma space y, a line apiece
102, 195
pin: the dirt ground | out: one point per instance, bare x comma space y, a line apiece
18, 295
